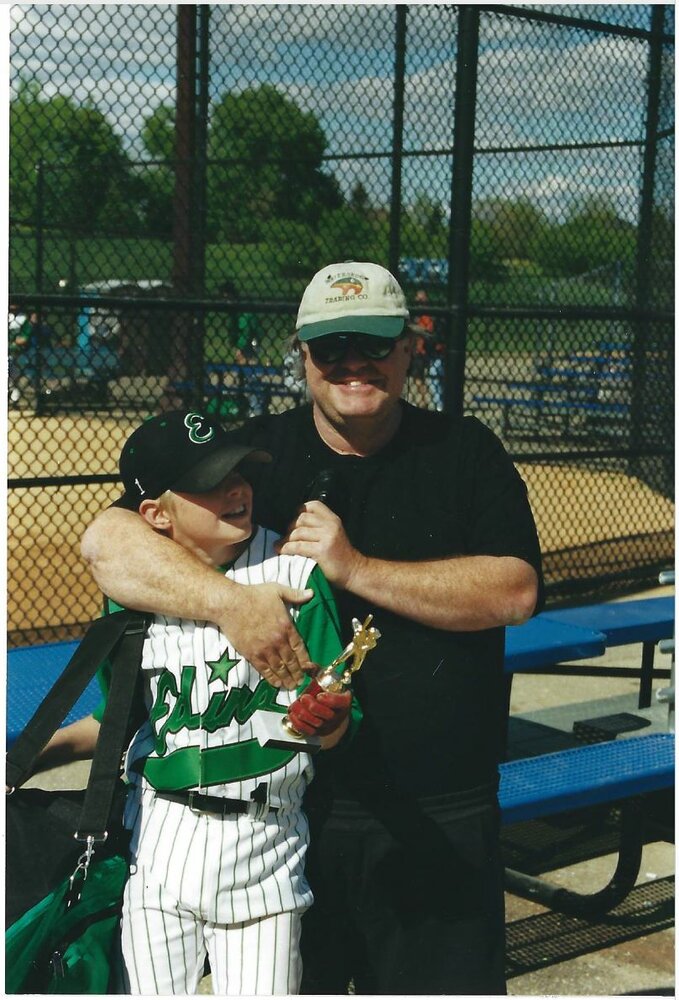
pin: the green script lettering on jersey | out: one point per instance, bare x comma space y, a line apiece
223, 707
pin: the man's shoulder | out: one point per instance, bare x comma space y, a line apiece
267, 429
423, 422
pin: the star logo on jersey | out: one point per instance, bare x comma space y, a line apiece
220, 668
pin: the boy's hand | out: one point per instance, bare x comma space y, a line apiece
319, 715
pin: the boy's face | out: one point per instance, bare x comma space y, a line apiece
215, 523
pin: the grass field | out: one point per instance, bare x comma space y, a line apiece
272, 271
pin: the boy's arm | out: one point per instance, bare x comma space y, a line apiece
76, 741
143, 569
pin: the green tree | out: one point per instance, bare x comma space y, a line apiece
424, 231
592, 236
509, 227
158, 136
87, 179
270, 158
358, 199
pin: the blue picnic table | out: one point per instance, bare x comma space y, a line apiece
541, 642
624, 623
31, 673
32, 670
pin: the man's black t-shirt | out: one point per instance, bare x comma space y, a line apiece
433, 701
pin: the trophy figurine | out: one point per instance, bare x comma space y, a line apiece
274, 731
336, 677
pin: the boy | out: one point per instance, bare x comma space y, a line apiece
218, 833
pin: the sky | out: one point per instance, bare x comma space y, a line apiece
537, 84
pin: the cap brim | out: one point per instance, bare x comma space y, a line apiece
376, 326
128, 502
205, 475
209, 473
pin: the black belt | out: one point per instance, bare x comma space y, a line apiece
215, 805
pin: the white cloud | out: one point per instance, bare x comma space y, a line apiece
537, 83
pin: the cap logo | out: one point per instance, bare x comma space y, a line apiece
199, 433
349, 285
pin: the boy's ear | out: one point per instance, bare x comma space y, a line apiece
152, 512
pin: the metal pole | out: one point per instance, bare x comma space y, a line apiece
39, 224
183, 271
196, 357
644, 255
397, 143
460, 208
201, 116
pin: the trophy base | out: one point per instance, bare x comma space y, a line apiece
270, 731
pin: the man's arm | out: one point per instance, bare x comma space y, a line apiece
142, 569
462, 593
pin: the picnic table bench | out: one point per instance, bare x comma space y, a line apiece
623, 623
609, 771
238, 390
570, 416
614, 771
568, 397
64, 377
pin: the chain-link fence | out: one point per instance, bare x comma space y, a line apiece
178, 172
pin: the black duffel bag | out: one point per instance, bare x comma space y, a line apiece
67, 851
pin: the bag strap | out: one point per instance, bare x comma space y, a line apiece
97, 643
105, 769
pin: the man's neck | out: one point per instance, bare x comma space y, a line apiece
361, 436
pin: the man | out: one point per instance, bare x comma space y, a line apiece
427, 526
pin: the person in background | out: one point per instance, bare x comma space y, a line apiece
245, 336
433, 349
16, 342
426, 524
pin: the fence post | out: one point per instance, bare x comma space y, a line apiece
39, 225
185, 358
460, 207
644, 249
397, 156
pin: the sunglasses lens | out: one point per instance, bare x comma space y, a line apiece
328, 350
374, 348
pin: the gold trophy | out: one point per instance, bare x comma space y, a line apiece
336, 677
273, 731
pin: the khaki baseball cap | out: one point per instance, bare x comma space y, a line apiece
352, 297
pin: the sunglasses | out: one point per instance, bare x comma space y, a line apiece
336, 346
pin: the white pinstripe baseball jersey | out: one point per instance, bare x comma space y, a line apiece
200, 696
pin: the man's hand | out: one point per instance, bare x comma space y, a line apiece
259, 626
319, 715
142, 569
318, 533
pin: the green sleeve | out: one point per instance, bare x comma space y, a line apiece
318, 624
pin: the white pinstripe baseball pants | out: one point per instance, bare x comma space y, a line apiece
164, 947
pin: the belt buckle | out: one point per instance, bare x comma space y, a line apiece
197, 809
258, 810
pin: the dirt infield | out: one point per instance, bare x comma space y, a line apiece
594, 505
48, 583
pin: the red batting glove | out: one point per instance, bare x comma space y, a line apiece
319, 715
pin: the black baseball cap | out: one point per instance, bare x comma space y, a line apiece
182, 450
